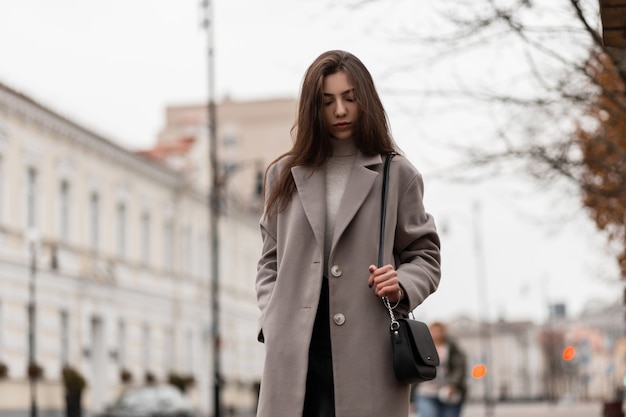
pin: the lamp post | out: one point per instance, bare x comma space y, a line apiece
482, 317
214, 207
485, 328
32, 308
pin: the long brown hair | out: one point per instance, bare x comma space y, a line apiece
312, 145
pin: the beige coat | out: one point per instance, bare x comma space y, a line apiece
289, 281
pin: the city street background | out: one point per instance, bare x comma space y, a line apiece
107, 254
575, 409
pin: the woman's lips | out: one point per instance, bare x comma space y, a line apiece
343, 126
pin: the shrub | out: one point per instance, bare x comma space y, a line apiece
35, 371
73, 380
182, 382
126, 376
150, 378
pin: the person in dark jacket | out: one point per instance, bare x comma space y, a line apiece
444, 395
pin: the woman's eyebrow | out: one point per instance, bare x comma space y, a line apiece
348, 91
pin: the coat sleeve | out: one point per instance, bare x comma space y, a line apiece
416, 246
267, 266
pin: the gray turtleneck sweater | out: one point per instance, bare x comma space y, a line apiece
338, 169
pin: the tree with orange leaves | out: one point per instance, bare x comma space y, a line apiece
603, 178
551, 97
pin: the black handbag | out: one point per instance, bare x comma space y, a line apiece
415, 357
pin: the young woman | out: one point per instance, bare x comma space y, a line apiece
324, 325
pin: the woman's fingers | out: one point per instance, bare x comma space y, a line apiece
385, 282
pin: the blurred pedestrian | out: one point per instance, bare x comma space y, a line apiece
444, 395
324, 325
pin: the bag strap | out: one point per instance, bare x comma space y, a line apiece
381, 241
383, 209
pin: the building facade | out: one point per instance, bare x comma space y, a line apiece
109, 251
250, 134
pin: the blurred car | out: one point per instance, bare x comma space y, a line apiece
150, 401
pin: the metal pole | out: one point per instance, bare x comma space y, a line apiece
31, 332
214, 208
485, 332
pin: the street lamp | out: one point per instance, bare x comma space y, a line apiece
484, 370
481, 278
32, 309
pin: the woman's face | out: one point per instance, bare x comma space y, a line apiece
341, 111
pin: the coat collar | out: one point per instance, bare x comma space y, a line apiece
311, 186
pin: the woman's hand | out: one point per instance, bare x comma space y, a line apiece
385, 282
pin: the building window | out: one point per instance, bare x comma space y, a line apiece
121, 347
121, 230
1, 333
31, 198
145, 237
203, 255
168, 244
94, 221
229, 141
258, 186
168, 357
1, 189
189, 352
186, 248
65, 338
64, 210
146, 347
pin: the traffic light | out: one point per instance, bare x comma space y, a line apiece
569, 353
479, 371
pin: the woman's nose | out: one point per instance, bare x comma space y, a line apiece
340, 110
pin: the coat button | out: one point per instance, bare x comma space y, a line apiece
336, 271
339, 319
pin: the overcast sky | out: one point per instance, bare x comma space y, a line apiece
113, 67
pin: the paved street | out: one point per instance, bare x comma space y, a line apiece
590, 409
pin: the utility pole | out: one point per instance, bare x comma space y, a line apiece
213, 206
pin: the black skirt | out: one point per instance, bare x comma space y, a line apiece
319, 400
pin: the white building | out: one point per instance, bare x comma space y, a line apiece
527, 361
512, 356
122, 277
250, 135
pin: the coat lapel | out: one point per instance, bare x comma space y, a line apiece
311, 186
359, 184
